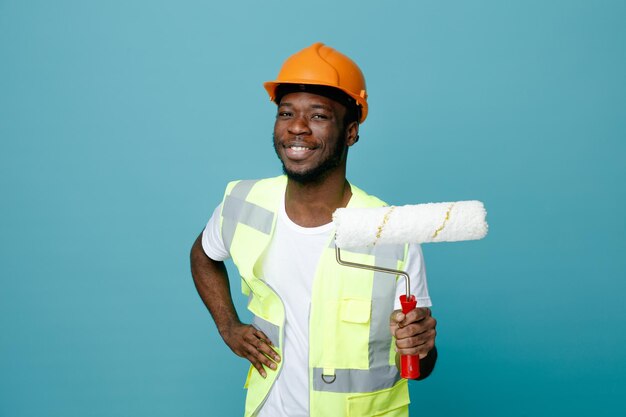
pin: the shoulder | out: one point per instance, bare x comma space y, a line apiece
242, 188
265, 192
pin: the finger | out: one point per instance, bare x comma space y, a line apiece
422, 351
415, 328
263, 357
396, 317
260, 335
260, 349
257, 358
255, 337
417, 314
422, 343
417, 339
418, 345
252, 353
410, 330
258, 366
265, 347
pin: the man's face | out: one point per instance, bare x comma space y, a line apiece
309, 136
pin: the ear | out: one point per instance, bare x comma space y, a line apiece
352, 133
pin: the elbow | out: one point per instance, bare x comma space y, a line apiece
196, 254
196, 248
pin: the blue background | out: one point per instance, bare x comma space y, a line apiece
121, 122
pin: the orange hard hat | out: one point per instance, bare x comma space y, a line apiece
322, 65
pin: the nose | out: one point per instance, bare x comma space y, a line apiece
299, 126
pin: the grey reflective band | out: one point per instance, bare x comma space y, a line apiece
248, 213
242, 188
383, 294
228, 232
271, 330
395, 252
356, 380
237, 210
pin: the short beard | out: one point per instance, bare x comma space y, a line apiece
320, 172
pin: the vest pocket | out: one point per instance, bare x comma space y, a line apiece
346, 344
391, 402
354, 310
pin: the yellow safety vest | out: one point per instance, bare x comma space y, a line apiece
352, 368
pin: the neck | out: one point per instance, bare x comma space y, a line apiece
312, 204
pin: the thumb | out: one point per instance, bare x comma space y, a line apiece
396, 317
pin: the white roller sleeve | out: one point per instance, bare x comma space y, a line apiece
420, 223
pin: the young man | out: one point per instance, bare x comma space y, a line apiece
321, 340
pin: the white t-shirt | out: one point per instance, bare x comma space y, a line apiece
289, 268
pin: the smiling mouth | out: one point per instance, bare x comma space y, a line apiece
298, 152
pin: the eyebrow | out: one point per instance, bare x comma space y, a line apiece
321, 106
313, 106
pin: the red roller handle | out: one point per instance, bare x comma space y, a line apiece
410, 364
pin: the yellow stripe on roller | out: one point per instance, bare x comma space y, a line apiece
383, 224
445, 221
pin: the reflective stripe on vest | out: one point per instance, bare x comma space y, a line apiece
237, 210
357, 380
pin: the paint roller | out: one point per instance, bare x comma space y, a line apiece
420, 223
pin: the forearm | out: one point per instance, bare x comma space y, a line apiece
211, 280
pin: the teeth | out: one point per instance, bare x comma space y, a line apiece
299, 148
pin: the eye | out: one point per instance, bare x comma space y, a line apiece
319, 116
284, 114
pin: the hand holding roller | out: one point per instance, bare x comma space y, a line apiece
421, 223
